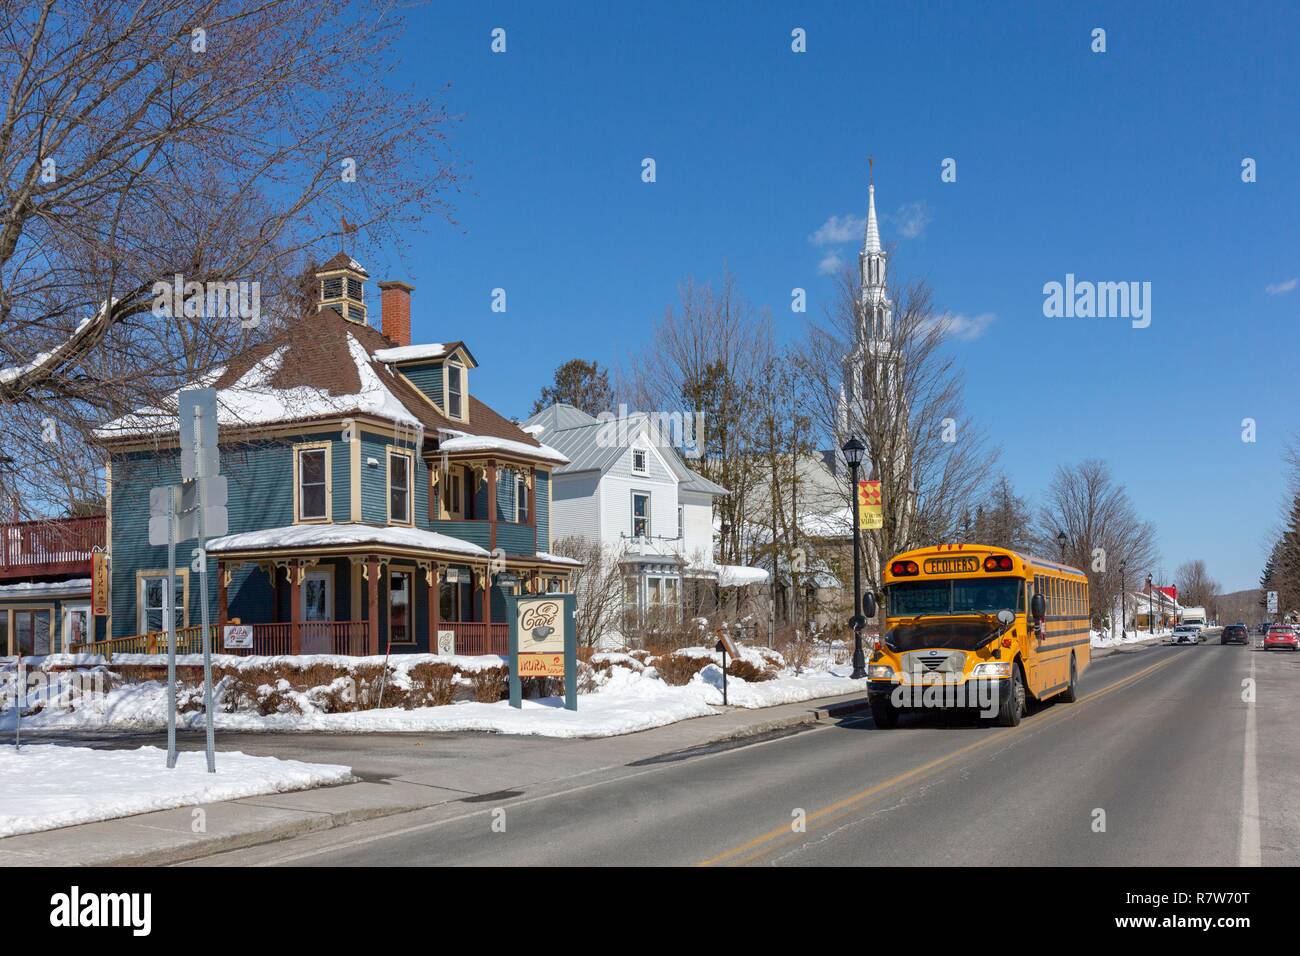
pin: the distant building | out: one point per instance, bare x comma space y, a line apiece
625, 488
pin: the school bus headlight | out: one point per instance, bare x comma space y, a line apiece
880, 672
992, 669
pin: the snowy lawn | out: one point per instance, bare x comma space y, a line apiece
626, 697
47, 786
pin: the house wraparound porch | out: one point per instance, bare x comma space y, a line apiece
350, 589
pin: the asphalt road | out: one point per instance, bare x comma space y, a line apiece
1161, 762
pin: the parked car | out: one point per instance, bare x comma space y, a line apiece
1281, 636
1261, 627
1234, 634
1186, 634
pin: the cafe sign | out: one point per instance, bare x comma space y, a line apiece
543, 643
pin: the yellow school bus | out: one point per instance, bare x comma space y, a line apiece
974, 626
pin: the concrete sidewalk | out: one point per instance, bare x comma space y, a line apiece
398, 773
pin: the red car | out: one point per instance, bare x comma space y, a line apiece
1284, 637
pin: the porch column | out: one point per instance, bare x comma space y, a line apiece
487, 596
295, 607
532, 506
222, 571
372, 592
492, 505
435, 592
273, 573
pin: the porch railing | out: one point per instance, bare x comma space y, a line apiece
477, 637
56, 546
315, 637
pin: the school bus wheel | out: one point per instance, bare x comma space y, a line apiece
1012, 704
1071, 692
884, 713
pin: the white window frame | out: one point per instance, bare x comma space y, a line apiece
521, 499
648, 504
409, 573
395, 451
298, 450
463, 414
142, 610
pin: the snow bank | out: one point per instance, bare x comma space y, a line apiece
47, 786
626, 697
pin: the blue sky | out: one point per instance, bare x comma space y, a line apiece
1115, 166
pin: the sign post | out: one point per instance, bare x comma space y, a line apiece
194, 509
727, 645
543, 643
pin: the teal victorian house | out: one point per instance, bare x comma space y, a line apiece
375, 502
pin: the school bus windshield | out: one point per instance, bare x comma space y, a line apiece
969, 596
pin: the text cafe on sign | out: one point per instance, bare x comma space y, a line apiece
543, 643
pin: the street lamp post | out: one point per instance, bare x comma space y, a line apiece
853, 450
1060, 539
1123, 627
1151, 614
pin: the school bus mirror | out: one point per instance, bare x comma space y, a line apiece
1006, 618
1038, 605
868, 605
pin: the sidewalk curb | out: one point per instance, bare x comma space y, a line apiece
813, 716
305, 821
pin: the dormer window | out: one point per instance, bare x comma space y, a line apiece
455, 390
638, 460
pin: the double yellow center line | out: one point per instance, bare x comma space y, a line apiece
773, 839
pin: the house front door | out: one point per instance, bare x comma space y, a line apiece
317, 612
76, 624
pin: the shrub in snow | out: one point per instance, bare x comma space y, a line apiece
747, 671
491, 684
678, 669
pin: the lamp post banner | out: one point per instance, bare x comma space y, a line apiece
870, 513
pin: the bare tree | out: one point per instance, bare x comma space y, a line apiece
707, 358
1195, 586
931, 459
1102, 529
598, 585
215, 140
1002, 519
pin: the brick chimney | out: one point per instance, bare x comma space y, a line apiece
395, 310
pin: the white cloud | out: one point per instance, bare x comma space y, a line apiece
831, 264
967, 328
911, 219
1281, 288
839, 229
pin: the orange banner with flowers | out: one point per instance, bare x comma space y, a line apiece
870, 513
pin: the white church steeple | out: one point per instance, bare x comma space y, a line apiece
877, 310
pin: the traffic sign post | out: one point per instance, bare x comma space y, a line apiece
194, 509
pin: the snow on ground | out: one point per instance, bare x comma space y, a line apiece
47, 786
1104, 638
627, 697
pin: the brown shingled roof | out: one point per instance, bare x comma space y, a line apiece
317, 355
341, 260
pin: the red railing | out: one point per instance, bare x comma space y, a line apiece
476, 637
54, 546
269, 640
